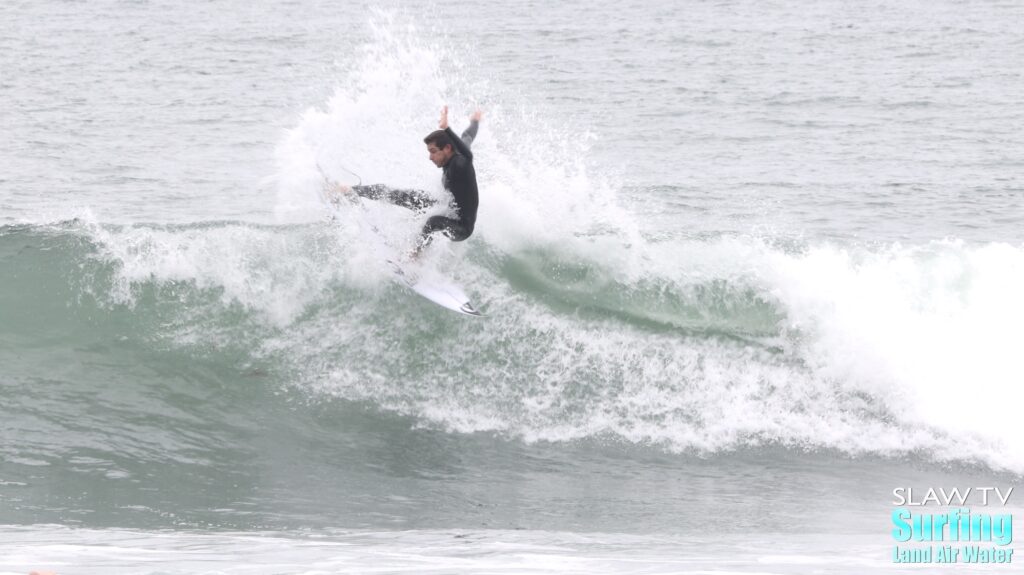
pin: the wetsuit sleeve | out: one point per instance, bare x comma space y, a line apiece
412, 199
460, 146
470, 134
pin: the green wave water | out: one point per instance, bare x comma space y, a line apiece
179, 344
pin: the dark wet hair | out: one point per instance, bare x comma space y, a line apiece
439, 138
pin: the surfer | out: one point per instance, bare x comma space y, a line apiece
452, 154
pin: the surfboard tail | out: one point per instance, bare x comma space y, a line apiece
442, 293
468, 309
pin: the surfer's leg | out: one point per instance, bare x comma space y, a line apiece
371, 192
451, 228
455, 231
434, 224
412, 199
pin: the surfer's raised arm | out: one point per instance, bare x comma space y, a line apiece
462, 144
474, 124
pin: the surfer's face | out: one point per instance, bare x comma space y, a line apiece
440, 156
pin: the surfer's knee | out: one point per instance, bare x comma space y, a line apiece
435, 224
457, 232
452, 229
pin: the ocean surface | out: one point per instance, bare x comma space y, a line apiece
746, 266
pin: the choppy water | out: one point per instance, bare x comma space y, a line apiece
744, 264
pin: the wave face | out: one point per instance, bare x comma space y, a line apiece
725, 344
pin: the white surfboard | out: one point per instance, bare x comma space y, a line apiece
445, 294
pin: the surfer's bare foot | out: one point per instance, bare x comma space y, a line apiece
337, 192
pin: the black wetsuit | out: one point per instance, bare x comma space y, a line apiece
459, 178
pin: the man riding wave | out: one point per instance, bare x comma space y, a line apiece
453, 155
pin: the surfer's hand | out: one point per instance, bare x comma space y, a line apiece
443, 124
475, 117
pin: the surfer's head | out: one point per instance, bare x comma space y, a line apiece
439, 145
